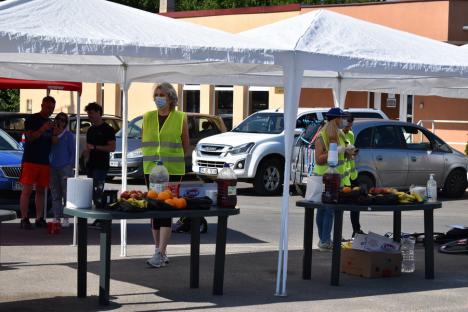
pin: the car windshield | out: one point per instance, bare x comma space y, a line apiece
134, 128
7, 143
272, 123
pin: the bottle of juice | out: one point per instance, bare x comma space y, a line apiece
227, 192
332, 178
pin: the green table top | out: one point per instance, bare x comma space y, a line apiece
7, 215
174, 213
347, 207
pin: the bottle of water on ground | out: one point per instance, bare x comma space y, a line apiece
431, 189
158, 178
407, 254
227, 192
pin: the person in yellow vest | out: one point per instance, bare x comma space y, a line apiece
165, 137
330, 133
351, 175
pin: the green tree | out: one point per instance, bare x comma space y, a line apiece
146, 5
9, 100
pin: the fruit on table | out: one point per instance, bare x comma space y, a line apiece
180, 203
136, 202
132, 194
346, 189
165, 195
152, 194
405, 198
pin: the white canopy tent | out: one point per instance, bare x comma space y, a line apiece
98, 41
360, 56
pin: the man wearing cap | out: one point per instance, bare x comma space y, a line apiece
330, 133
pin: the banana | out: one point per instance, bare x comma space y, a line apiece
417, 196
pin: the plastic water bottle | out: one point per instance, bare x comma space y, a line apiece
407, 254
227, 192
158, 178
431, 189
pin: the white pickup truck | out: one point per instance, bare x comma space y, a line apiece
255, 148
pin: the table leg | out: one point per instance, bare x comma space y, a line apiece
82, 256
194, 252
429, 242
104, 266
308, 238
397, 226
220, 255
337, 236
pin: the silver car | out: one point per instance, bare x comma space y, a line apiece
397, 154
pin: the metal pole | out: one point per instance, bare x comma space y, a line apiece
123, 223
77, 158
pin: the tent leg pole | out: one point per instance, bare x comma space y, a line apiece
124, 87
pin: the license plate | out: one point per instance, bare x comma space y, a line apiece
114, 163
15, 186
209, 171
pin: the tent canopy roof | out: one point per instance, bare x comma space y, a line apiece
90, 40
326, 40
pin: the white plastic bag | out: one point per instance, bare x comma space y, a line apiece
314, 188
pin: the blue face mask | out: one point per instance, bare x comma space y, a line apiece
160, 101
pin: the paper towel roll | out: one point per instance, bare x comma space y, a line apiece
79, 192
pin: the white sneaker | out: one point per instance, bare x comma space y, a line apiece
65, 223
156, 260
165, 259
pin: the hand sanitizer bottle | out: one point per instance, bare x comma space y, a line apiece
431, 189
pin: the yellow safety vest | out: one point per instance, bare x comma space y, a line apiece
164, 145
349, 163
340, 168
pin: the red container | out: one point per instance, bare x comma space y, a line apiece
53, 227
331, 183
227, 194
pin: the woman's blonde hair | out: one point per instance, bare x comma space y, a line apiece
171, 93
332, 131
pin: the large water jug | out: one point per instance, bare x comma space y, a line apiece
227, 192
158, 178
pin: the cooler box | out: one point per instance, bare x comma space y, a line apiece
370, 264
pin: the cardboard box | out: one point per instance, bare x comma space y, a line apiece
375, 243
195, 189
370, 264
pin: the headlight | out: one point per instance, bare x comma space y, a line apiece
241, 149
135, 153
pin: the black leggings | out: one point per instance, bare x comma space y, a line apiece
156, 223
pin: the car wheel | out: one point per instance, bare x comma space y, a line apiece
455, 184
269, 177
365, 180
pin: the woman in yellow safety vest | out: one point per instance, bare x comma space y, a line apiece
330, 133
351, 174
164, 137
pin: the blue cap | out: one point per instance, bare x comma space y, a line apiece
336, 112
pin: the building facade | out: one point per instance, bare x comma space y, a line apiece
443, 20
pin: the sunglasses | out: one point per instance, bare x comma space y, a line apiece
159, 94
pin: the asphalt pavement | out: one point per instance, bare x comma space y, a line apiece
38, 270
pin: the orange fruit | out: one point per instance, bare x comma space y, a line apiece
346, 189
152, 194
180, 203
170, 201
165, 195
